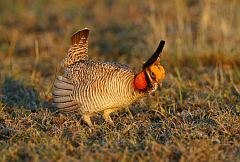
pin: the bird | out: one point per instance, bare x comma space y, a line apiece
87, 86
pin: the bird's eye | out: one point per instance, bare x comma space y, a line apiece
152, 74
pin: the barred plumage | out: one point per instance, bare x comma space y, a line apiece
90, 86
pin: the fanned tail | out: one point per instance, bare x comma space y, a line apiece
79, 48
62, 91
81, 35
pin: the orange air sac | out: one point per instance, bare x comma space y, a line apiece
140, 81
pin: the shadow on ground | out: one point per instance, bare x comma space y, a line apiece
16, 94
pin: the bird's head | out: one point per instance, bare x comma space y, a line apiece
152, 73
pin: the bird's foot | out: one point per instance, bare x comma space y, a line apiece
86, 118
107, 117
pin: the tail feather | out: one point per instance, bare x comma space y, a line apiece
62, 85
80, 36
61, 92
79, 48
64, 105
73, 108
62, 99
63, 79
63, 89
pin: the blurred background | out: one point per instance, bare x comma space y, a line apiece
120, 26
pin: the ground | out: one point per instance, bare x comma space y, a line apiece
195, 116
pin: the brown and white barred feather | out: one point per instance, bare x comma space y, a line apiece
79, 48
62, 92
88, 86
97, 86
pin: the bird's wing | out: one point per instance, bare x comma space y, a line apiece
79, 48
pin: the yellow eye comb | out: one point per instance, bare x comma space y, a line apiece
158, 71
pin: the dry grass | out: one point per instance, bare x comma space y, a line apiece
194, 117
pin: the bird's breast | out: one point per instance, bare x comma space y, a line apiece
104, 88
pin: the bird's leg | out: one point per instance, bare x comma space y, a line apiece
129, 113
86, 118
107, 117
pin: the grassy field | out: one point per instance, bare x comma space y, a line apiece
195, 116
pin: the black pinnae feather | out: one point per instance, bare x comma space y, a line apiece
155, 55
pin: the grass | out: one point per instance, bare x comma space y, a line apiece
194, 117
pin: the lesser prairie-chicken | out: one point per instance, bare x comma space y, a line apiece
89, 86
